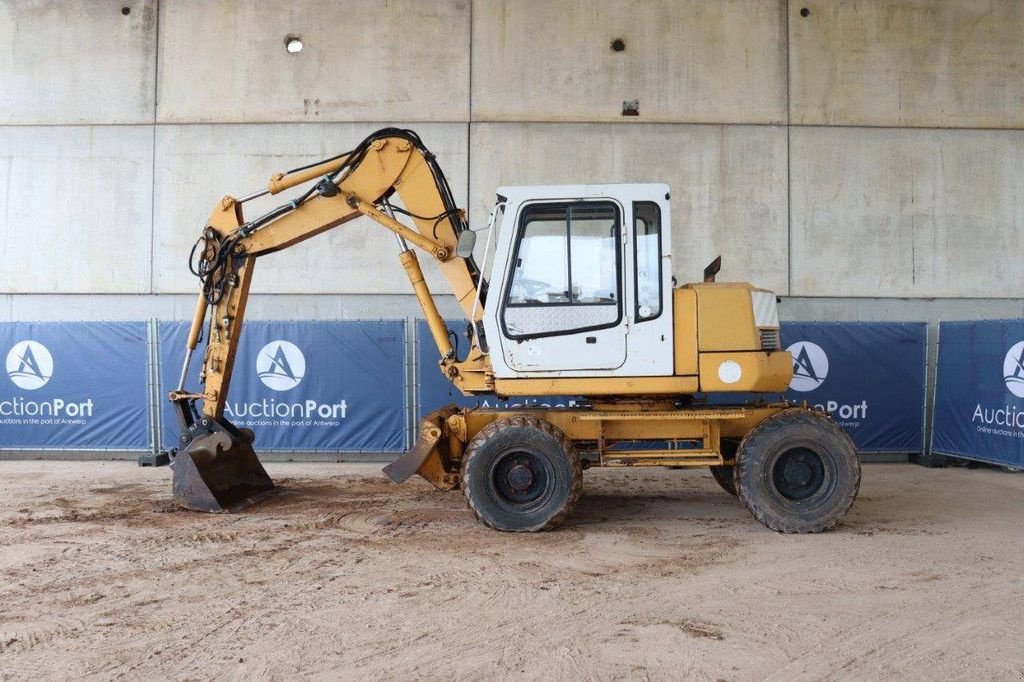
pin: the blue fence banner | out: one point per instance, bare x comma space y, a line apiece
75, 385
306, 386
979, 392
435, 391
869, 376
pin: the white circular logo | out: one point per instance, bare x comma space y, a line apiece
810, 366
280, 365
29, 365
1013, 369
729, 372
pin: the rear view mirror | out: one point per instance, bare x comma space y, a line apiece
464, 247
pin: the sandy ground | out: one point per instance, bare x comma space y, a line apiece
658, 574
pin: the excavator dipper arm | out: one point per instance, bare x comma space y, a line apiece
215, 467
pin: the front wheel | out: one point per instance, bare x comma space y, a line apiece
797, 472
521, 474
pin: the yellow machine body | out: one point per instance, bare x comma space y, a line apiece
724, 338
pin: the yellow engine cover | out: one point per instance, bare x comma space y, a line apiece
755, 371
717, 339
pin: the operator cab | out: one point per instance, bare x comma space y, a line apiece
583, 275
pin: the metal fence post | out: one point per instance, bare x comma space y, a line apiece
154, 456
935, 388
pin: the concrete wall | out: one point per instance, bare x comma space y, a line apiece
77, 61
922, 212
367, 60
865, 159
867, 149
920, 63
191, 178
77, 209
728, 182
692, 61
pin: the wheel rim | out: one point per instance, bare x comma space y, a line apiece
798, 473
519, 479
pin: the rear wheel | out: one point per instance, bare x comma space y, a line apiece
797, 472
521, 474
723, 474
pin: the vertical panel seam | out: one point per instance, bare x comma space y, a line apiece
789, 159
469, 119
152, 169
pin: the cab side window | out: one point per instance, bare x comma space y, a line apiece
647, 251
565, 270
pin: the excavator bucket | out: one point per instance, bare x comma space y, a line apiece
217, 470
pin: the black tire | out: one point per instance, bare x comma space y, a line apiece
797, 472
723, 474
521, 474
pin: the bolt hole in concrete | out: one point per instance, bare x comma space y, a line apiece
126, 11
618, 45
631, 107
804, 12
293, 44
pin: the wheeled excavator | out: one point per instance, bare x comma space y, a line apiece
579, 300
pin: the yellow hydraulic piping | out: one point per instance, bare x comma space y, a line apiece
282, 181
193, 338
197, 322
438, 329
439, 251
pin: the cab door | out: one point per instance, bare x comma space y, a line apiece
562, 305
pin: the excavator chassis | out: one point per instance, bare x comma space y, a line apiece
521, 470
687, 437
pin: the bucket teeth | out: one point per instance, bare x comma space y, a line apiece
218, 470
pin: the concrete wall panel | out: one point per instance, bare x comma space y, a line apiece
926, 63
728, 183
77, 61
685, 60
363, 60
75, 209
198, 164
907, 213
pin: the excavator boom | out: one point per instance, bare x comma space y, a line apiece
215, 467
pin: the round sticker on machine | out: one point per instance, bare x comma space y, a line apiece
729, 372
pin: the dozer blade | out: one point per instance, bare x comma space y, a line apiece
409, 464
430, 456
218, 470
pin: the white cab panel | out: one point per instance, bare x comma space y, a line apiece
582, 318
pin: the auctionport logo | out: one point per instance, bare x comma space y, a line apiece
29, 365
1008, 419
1013, 369
280, 365
810, 366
